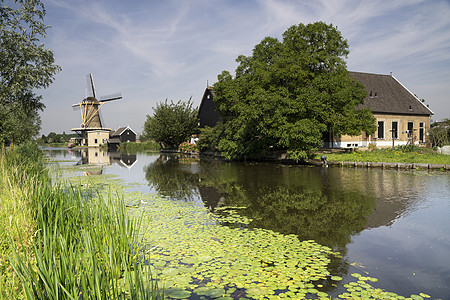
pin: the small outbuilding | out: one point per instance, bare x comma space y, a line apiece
121, 135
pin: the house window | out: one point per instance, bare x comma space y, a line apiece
410, 131
410, 127
421, 132
95, 141
380, 130
395, 130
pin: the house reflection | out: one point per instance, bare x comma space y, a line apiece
99, 157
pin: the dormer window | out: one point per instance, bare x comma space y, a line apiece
376, 95
370, 94
410, 108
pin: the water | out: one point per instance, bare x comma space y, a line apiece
392, 225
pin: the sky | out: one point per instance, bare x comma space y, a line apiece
155, 50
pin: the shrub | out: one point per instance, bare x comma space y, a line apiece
188, 147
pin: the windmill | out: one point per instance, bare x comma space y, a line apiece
90, 111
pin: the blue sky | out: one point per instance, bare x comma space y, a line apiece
156, 50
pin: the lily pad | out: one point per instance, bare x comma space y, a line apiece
176, 293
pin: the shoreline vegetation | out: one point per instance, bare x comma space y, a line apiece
65, 242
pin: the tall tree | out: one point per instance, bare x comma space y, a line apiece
171, 123
25, 65
288, 93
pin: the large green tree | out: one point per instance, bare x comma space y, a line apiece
171, 123
288, 93
25, 65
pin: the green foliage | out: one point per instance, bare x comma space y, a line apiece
209, 138
53, 137
133, 147
171, 124
440, 133
288, 93
25, 65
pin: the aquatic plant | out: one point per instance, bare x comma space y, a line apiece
195, 252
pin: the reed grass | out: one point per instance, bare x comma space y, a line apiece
80, 244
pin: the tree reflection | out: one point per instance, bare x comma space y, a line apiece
173, 176
307, 202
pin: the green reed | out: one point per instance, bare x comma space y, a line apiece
83, 245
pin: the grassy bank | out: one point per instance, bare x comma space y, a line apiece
397, 155
65, 242
20, 170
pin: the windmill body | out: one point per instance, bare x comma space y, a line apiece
92, 131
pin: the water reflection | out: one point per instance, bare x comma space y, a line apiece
94, 156
327, 205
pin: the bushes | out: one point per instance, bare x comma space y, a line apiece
133, 147
187, 147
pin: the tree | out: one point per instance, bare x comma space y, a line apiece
171, 124
288, 93
25, 65
440, 133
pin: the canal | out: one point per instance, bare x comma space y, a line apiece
393, 225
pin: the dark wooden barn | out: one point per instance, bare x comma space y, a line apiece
121, 135
207, 112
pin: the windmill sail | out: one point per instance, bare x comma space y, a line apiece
90, 85
116, 96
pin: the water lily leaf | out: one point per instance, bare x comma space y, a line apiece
210, 292
170, 272
176, 293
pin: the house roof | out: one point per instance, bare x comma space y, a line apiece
121, 130
385, 94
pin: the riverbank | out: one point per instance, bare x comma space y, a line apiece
64, 241
397, 158
382, 158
